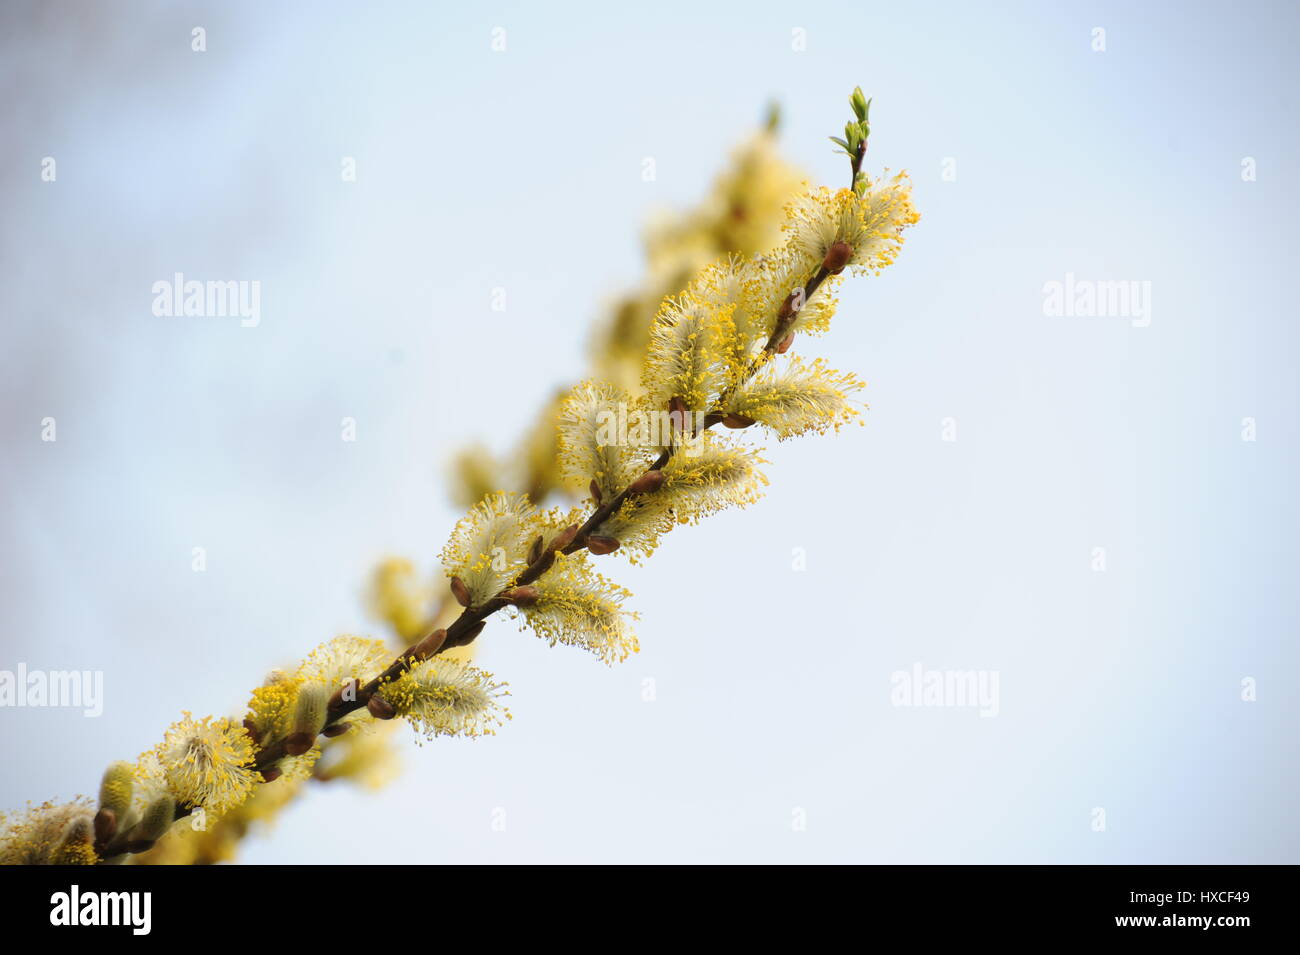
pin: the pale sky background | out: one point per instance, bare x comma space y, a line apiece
1119, 690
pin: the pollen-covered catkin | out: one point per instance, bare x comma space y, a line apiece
794, 397
442, 697
576, 606
489, 546
207, 763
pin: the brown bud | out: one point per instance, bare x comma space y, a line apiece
272, 773
786, 342
105, 826
335, 730
380, 708
460, 591
837, 256
564, 539
535, 552
594, 487
136, 846
252, 730
677, 412
787, 307
737, 421
524, 596
650, 481
601, 545
430, 645
336, 701
295, 744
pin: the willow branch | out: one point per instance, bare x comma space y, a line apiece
466, 627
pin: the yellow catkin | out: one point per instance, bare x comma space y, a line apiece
442, 697
794, 397
578, 607
208, 763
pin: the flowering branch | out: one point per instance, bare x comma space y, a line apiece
741, 215
713, 357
